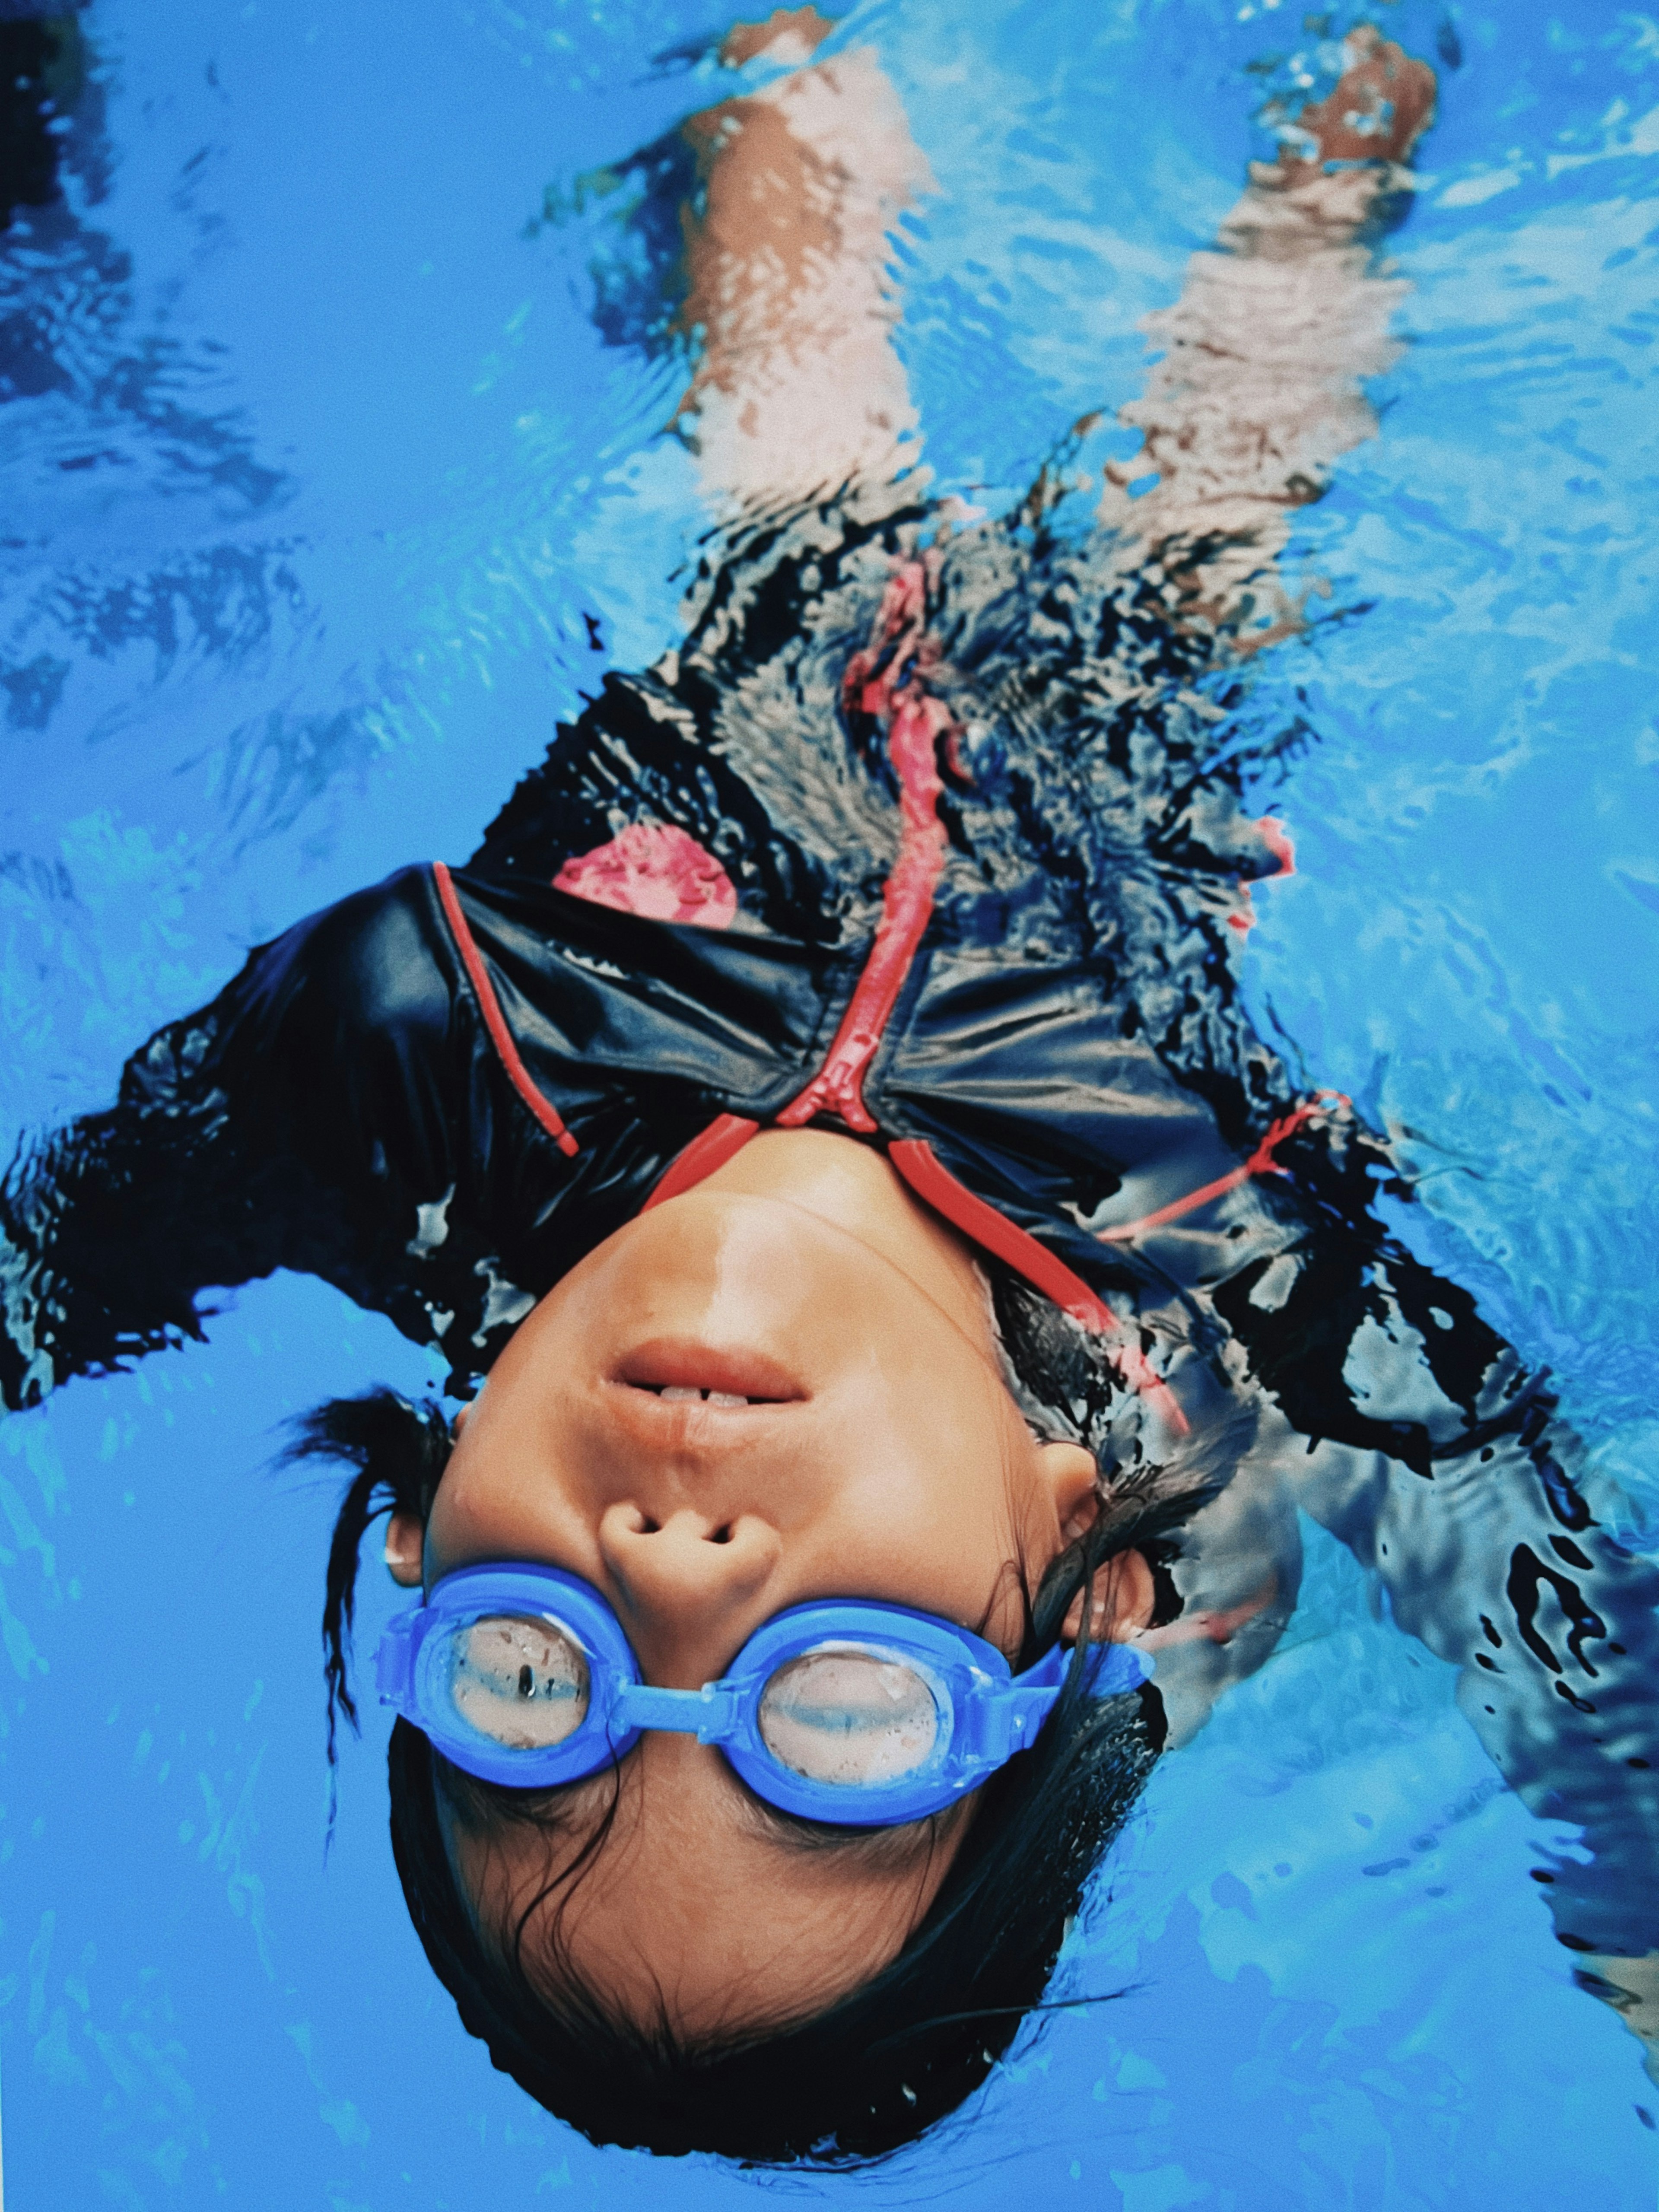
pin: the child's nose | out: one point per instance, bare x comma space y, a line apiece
680, 1582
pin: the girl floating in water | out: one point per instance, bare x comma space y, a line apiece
899, 1300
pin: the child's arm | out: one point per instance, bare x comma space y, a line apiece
299, 1120
1488, 1551
1260, 390
1389, 1412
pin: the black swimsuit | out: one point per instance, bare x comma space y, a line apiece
981, 866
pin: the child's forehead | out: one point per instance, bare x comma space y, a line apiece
667, 1874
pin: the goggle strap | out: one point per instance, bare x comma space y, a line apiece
1025, 1710
394, 1660
1116, 1668
1013, 1721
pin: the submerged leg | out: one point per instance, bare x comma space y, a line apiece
1259, 390
790, 299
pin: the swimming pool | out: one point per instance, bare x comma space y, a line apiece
325, 498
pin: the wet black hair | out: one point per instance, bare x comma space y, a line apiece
876, 2070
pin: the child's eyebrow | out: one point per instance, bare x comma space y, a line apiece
569, 1805
897, 1844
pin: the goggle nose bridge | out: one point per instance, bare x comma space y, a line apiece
710, 1714
993, 1721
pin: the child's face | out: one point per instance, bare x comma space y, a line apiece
887, 1461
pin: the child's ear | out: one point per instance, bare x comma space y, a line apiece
1124, 1597
406, 1544
1072, 1480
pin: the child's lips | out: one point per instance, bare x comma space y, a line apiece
680, 1371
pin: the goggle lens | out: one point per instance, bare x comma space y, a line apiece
522, 1683
846, 1715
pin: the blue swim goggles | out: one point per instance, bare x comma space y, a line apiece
858, 1714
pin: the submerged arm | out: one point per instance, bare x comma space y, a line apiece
1392, 1414
1416, 1437
1495, 1563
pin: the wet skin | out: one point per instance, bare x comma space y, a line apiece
880, 1455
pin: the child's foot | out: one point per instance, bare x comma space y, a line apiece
1380, 107
788, 34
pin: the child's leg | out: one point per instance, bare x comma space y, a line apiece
1259, 390
798, 386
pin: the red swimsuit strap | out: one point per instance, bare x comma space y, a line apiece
1260, 1162
495, 1021
722, 1140
881, 681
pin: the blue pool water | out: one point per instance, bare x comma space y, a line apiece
322, 500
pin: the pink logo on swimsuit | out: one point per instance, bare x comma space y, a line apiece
656, 870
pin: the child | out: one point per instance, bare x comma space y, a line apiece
820, 1127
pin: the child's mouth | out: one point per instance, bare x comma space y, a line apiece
688, 1393
681, 1373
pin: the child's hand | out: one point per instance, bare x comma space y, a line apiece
1630, 1986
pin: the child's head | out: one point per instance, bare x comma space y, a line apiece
655, 1952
